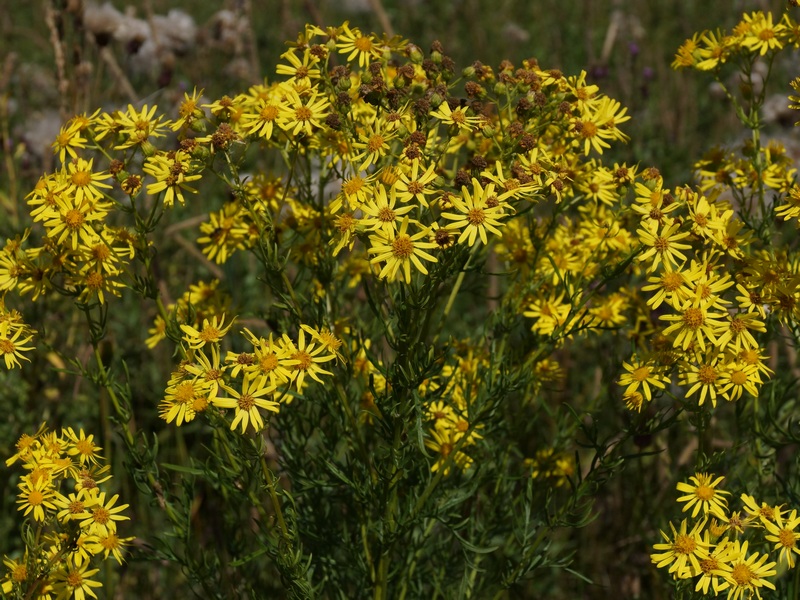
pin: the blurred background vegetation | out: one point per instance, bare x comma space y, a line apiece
626, 47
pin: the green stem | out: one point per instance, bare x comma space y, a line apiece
276, 505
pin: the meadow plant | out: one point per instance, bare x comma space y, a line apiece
395, 264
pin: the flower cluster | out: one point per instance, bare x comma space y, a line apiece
724, 550
64, 499
275, 371
756, 33
714, 276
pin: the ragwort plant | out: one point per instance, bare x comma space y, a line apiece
420, 256
377, 409
729, 280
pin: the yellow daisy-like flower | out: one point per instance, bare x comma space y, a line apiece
307, 358
374, 145
172, 172
763, 513
715, 567
271, 363
737, 377
664, 247
762, 34
36, 497
642, 374
68, 139
783, 533
693, 324
303, 114
12, 342
399, 250
748, 573
211, 332
247, 402
73, 581
479, 212
443, 442
83, 447
104, 515
382, 213
415, 186
702, 494
455, 116
356, 45
109, 543
260, 119
138, 126
189, 110
683, 551
302, 71
703, 376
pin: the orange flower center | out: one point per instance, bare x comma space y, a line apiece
386, 215
375, 143
742, 574
81, 178
684, 544
693, 317
402, 247
268, 362
74, 218
74, 579
246, 402
304, 360
476, 216
787, 538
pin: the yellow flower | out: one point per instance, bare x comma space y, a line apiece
382, 212
443, 442
303, 114
83, 447
189, 110
414, 186
479, 212
72, 581
737, 377
172, 174
138, 126
762, 35
783, 533
455, 116
683, 551
763, 513
693, 324
748, 573
703, 375
247, 402
715, 567
301, 71
702, 494
103, 515
352, 43
271, 361
642, 374
12, 342
211, 332
68, 138
664, 247
306, 358
374, 145
401, 250
109, 543
260, 117
183, 399
36, 497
